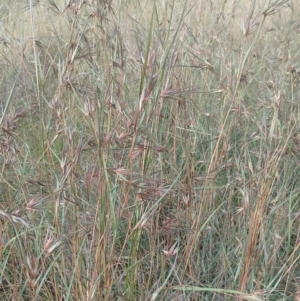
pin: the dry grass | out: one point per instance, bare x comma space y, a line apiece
149, 151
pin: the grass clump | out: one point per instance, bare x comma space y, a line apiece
149, 150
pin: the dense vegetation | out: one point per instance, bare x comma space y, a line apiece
149, 150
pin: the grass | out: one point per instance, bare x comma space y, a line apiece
149, 150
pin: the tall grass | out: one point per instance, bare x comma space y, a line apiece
149, 150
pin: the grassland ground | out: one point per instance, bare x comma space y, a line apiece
149, 150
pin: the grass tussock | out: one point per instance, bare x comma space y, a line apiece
149, 150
